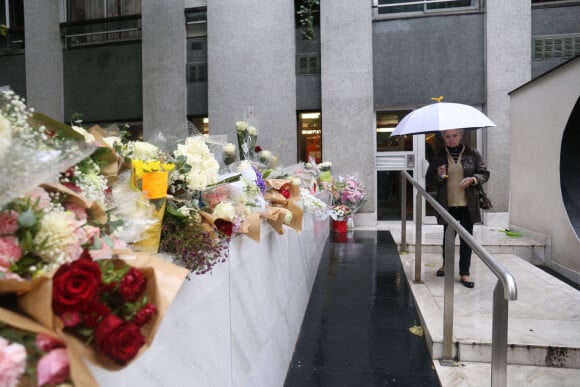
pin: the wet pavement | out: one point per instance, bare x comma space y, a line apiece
356, 328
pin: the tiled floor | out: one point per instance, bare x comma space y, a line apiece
356, 328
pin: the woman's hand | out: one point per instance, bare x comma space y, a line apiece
442, 171
464, 183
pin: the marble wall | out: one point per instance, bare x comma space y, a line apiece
238, 325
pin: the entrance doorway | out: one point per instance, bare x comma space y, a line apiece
310, 136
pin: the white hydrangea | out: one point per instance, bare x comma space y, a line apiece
204, 167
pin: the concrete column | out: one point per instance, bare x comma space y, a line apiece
508, 57
164, 82
251, 72
348, 128
43, 58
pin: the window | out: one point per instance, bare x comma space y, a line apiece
197, 72
79, 10
386, 123
397, 8
307, 64
12, 24
555, 46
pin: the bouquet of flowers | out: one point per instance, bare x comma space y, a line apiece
31, 359
339, 212
50, 226
191, 241
247, 136
350, 192
108, 309
32, 355
28, 145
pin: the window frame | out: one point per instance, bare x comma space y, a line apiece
475, 7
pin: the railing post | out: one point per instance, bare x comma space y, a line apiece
499, 333
403, 212
448, 295
418, 235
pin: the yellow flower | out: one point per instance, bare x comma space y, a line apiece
167, 167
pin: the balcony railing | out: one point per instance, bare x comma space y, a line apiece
101, 31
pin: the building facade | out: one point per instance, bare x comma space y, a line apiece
170, 66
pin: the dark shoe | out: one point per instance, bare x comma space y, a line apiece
468, 284
440, 273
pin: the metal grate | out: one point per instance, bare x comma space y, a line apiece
555, 46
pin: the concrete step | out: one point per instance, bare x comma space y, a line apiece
542, 325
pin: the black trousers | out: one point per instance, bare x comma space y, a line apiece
461, 214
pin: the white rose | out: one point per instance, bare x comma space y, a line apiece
252, 131
288, 217
266, 155
229, 148
241, 126
225, 211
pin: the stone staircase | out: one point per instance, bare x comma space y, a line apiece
543, 323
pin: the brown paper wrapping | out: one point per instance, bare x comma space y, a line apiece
278, 184
208, 221
251, 226
14, 286
163, 282
111, 162
275, 216
79, 372
275, 197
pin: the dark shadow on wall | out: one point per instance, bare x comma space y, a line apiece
570, 168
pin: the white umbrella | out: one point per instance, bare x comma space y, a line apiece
441, 116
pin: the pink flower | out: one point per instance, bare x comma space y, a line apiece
12, 362
53, 368
46, 343
9, 251
8, 222
79, 211
41, 195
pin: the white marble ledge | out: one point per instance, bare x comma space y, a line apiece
238, 325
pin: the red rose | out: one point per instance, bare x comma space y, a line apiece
285, 192
257, 149
75, 285
132, 285
144, 315
118, 339
94, 313
224, 226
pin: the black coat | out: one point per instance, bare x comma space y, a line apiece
473, 166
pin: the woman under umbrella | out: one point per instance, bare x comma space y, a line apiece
458, 173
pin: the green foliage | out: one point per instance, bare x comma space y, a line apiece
305, 13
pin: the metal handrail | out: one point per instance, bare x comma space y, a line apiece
505, 289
